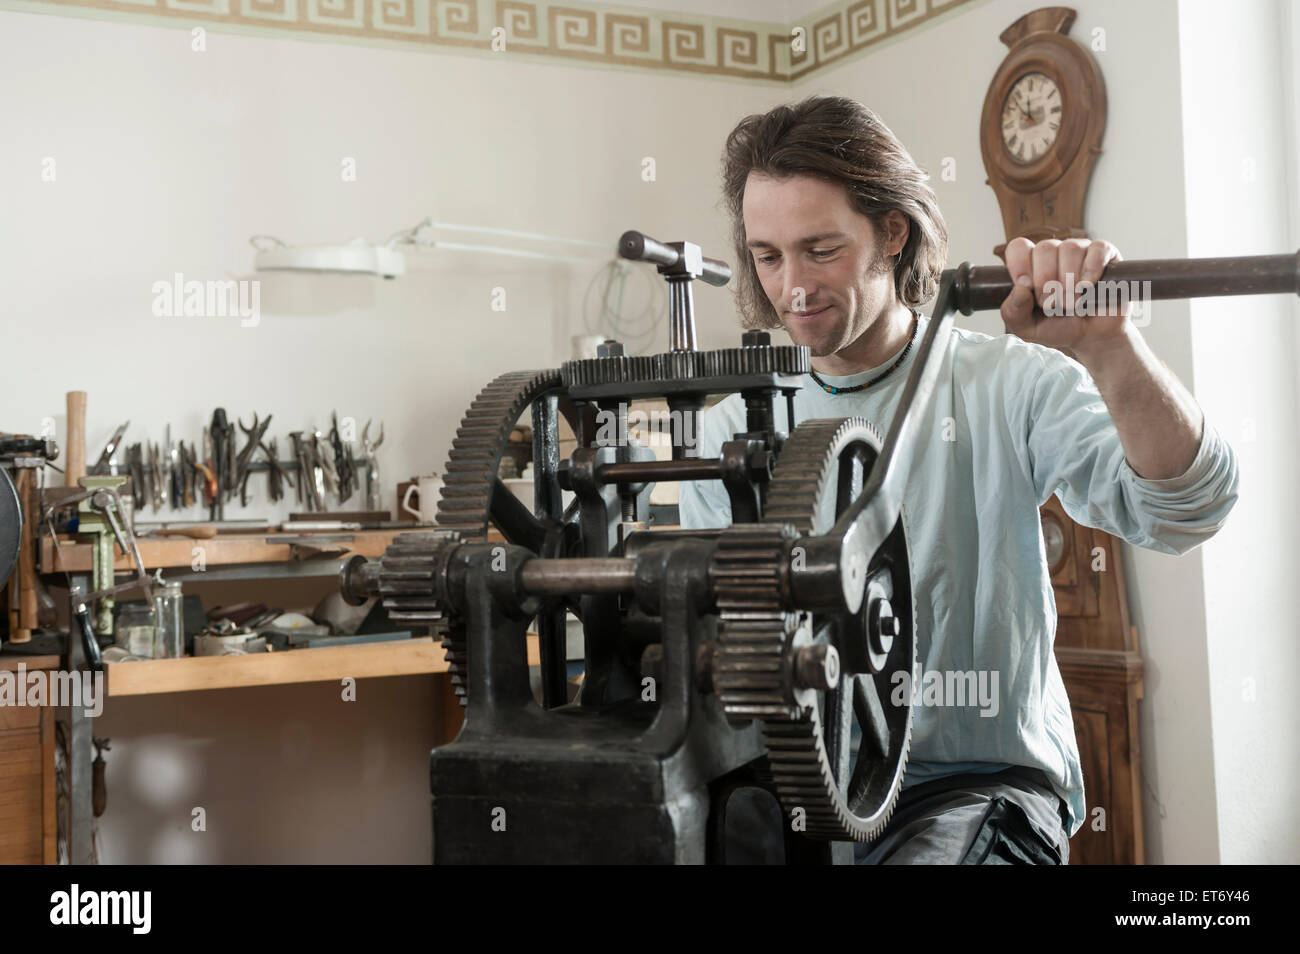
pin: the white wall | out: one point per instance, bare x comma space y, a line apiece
1239, 139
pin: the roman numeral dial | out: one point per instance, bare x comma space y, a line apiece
1031, 117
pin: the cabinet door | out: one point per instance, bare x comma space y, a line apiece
26, 784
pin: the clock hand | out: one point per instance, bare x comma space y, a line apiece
1025, 112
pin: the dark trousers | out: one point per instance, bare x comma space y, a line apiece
1012, 817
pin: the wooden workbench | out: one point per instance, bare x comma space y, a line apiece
193, 673
69, 555
401, 657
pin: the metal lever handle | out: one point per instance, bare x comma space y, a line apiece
679, 263
637, 247
985, 287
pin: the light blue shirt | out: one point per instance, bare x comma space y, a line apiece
1010, 424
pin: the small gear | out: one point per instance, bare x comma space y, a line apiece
413, 577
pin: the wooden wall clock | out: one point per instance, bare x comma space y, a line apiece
1041, 128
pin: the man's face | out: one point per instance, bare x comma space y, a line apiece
820, 262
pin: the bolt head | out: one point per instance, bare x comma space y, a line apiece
817, 667
883, 626
755, 338
609, 348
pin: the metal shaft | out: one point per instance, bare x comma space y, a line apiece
681, 312
585, 575
628, 472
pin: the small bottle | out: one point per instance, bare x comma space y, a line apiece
168, 602
136, 630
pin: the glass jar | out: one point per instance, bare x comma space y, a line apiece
136, 629
168, 602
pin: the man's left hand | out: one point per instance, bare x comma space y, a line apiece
1037, 309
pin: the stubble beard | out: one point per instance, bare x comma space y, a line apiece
848, 328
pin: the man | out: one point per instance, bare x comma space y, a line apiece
839, 240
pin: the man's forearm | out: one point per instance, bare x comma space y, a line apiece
1158, 420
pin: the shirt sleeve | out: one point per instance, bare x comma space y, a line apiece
703, 504
1074, 451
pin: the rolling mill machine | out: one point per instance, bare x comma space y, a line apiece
753, 659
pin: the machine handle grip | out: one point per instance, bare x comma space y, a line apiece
637, 247
985, 287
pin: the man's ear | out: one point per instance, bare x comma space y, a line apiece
899, 228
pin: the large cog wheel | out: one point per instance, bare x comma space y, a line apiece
842, 795
472, 497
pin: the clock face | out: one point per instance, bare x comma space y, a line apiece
1031, 117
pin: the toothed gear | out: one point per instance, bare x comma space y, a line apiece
469, 477
413, 576
754, 672
759, 359
751, 674
806, 468
684, 365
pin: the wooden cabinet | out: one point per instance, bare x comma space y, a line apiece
28, 828
1097, 651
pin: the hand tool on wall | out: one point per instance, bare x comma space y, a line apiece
232, 458
373, 490
324, 460
295, 438
219, 432
135, 467
175, 475
311, 480
276, 474
304, 478
157, 489
106, 455
342, 460
255, 434
196, 475
208, 489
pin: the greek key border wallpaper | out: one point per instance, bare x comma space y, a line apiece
598, 34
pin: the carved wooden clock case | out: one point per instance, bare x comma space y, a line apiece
1041, 129
1040, 136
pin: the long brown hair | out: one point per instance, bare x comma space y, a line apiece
840, 140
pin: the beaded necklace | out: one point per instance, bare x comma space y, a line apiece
831, 389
